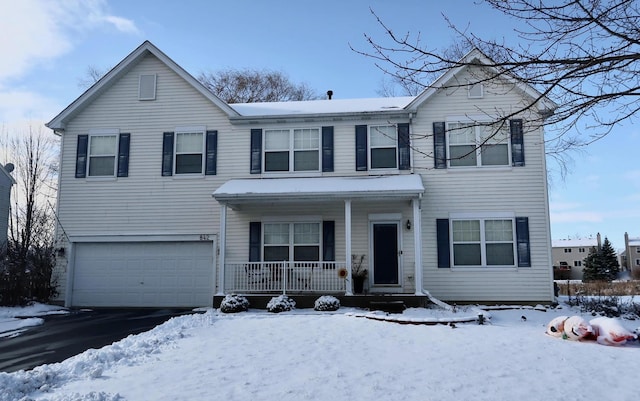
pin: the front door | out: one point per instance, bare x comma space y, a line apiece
385, 254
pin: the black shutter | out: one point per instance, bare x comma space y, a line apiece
81, 156
123, 155
522, 235
256, 151
404, 154
442, 234
167, 154
254, 241
439, 145
329, 241
327, 149
212, 153
361, 148
517, 143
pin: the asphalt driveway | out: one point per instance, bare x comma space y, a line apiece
63, 336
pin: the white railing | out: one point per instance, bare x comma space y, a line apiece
266, 277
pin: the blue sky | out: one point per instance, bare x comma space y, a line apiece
51, 44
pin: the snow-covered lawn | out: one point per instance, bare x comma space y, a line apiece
307, 355
14, 321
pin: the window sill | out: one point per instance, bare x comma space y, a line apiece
486, 268
478, 168
102, 179
300, 174
196, 176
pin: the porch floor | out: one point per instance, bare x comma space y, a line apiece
386, 302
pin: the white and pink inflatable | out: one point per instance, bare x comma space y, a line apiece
604, 330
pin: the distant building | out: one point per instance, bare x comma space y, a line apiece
631, 256
568, 256
6, 181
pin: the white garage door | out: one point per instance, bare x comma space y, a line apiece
143, 274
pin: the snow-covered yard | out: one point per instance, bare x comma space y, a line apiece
307, 355
14, 321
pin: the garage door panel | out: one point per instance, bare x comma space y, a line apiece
143, 274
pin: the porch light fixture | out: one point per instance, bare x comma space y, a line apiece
408, 225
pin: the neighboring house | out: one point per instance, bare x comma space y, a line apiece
631, 253
6, 182
168, 195
568, 256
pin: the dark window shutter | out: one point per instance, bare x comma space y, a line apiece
517, 143
444, 252
81, 156
361, 148
123, 155
439, 145
522, 235
329, 241
255, 228
327, 149
256, 151
167, 154
212, 153
404, 154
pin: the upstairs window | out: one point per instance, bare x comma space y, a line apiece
189, 152
567, 250
102, 155
383, 147
472, 145
292, 150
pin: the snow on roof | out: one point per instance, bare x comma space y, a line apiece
320, 187
634, 241
575, 242
322, 106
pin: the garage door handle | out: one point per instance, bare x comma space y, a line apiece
142, 282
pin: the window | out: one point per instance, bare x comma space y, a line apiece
383, 146
189, 150
292, 150
577, 263
567, 250
581, 250
637, 262
483, 242
638, 249
292, 241
478, 145
102, 155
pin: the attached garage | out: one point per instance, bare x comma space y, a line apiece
143, 274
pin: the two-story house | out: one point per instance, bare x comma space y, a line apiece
568, 256
168, 195
631, 254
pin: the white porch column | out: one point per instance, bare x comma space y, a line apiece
223, 245
417, 239
347, 245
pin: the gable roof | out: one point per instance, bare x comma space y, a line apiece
476, 57
58, 122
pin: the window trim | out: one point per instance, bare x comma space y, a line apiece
115, 132
482, 218
189, 130
477, 125
291, 151
471, 86
152, 83
370, 148
291, 222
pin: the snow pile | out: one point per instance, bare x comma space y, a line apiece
309, 355
14, 320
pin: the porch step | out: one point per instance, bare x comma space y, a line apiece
388, 306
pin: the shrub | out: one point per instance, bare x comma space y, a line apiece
26, 275
327, 303
234, 303
281, 303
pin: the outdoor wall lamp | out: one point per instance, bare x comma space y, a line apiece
408, 225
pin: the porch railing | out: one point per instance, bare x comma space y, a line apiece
268, 277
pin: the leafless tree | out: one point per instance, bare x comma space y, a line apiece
91, 76
252, 85
582, 54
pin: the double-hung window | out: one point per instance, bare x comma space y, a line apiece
383, 145
102, 155
483, 242
292, 241
473, 144
189, 151
292, 150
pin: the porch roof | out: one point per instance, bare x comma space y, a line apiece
319, 188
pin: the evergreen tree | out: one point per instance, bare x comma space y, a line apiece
601, 264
